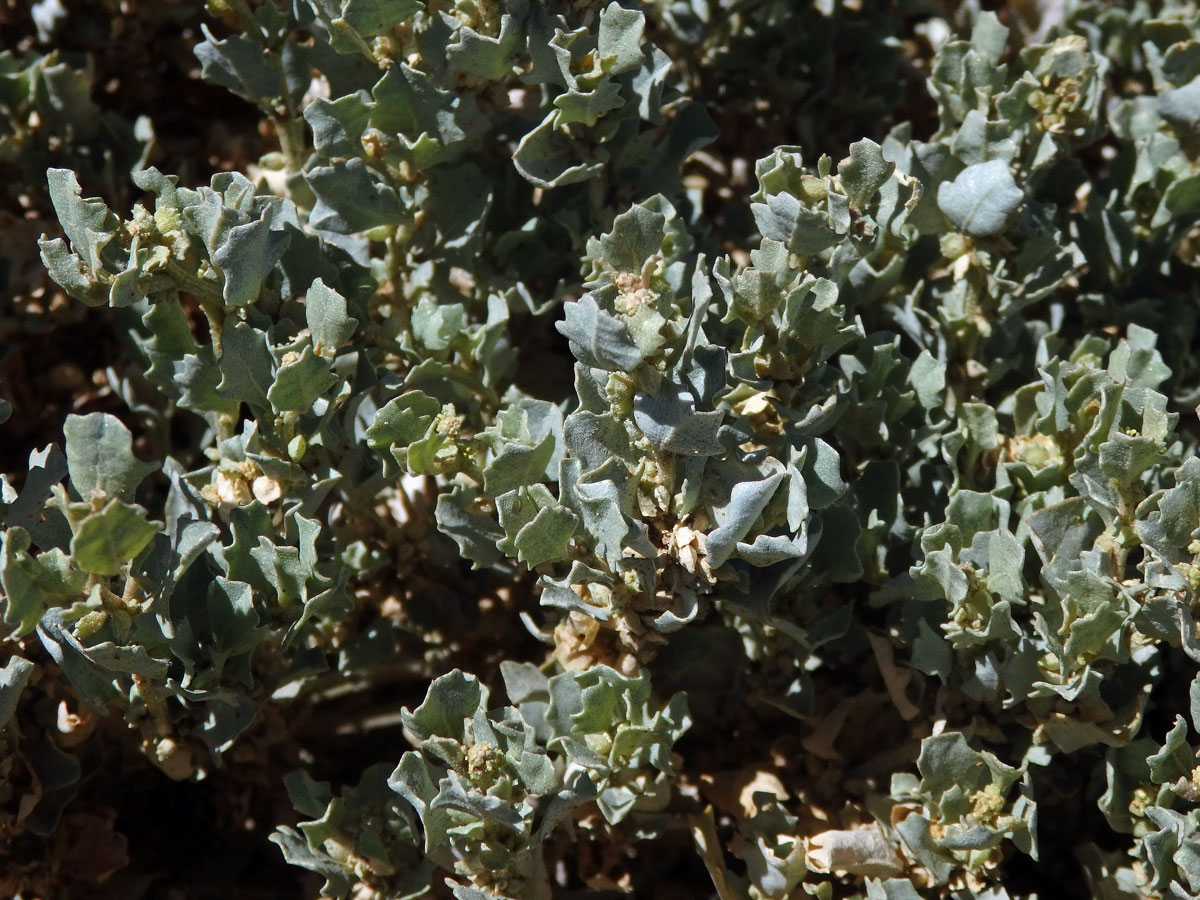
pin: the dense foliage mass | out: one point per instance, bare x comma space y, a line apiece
557, 448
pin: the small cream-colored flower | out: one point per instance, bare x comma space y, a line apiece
266, 490
232, 490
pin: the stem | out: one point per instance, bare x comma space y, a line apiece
290, 131
216, 319
245, 16
207, 294
396, 245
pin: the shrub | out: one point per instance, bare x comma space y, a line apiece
831, 528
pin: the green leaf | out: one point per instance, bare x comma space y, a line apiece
106, 540
89, 225
33, 584
949, 766
296, 852
638, 234
133, 659
240, 65
452, 700
372, 18
1175, 523
597, 339
747, 500
595, 439
100, 457
671, 423
620, 38
325, 311
70, 273
587, 108
232, 619
338, 125
351, 200
170, 340
1125, 457
525, 683
246, 364
982, 199
517, 507
13, 676
931, 653
246, 256
436, 325
1175, 760
492, 59
928, 378
475, 533
413, 780
864, 172
402, 420
197, 376
300, 382
309, 797
548, 158
547, 538
283, 570
1181, 107
517, 466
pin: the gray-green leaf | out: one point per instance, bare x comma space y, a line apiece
981, 199
106, 540
100, 457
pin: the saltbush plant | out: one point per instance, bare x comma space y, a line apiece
614, 448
